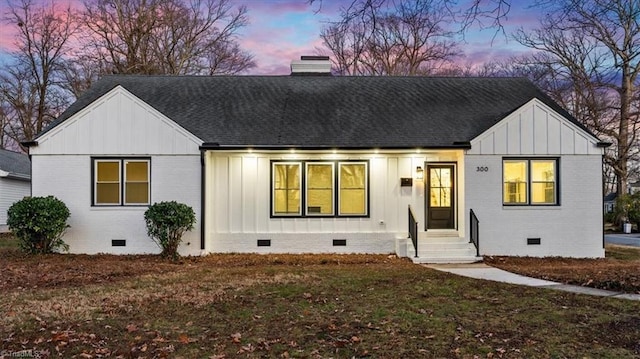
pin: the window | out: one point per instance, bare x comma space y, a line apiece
353, 188
121, 182
331, 188
320, 181
286, 189
530, 181
440, 187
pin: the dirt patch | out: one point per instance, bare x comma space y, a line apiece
72, 270
620, 271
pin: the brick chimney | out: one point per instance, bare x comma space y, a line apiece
311, 65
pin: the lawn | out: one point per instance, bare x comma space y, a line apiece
294, 306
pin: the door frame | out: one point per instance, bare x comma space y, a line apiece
454, 200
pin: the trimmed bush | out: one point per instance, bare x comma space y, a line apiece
39, 224
627, 209
166, 224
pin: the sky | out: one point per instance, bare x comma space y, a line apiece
283, 30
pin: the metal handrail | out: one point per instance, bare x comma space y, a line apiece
474, 236
413, 231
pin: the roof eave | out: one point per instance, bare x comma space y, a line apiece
18, 177
463, 145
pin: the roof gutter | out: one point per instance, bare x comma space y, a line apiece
16, 176
218, 147
603, 144
29, 143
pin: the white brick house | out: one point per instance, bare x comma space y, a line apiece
317, 163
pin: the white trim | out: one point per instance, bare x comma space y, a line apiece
124, 182
95, 181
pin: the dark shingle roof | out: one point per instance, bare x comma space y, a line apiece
17, 164
324, 111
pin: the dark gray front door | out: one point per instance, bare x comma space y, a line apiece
441, 196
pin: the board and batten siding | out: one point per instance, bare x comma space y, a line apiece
574, 227
117, 125
238, 201
11, 191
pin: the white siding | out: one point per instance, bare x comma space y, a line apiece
118, 123
11, 190
574, 227
92, 228
535, 129
238, 204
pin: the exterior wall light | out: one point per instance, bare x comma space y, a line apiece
419, 173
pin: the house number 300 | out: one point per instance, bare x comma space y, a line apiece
482, 169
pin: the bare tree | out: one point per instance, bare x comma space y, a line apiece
30, 86
594, 46
483, 13
165, 36
407, 38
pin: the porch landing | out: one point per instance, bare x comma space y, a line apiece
442, 246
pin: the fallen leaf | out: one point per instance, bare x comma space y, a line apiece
131, 328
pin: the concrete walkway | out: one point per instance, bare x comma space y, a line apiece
483, 271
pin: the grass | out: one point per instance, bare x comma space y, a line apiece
623, 253
7, 241
287, 306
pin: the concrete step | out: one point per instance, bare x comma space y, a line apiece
438, 233
446, 260
448, 248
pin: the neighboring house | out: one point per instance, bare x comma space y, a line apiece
610, 202
317, 163
15, 181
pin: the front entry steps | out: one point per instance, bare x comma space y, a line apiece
442, 246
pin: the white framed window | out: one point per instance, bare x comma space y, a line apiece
121, 182
530, 181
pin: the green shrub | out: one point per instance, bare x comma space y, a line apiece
166, 223
39, 223
627, 209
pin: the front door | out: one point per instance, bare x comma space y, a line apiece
441, 196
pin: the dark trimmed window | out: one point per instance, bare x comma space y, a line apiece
121, 182
530, 181
319, 188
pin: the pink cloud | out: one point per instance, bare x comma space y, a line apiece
283, 30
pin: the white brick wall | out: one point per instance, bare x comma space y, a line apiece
572, 229
92, 228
